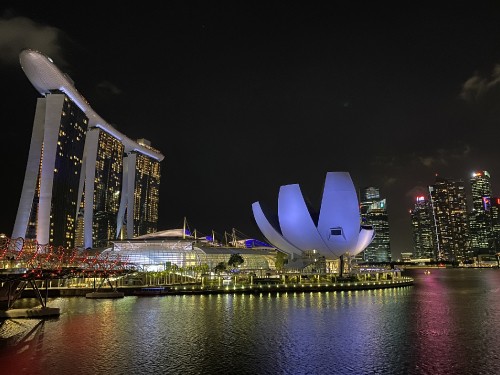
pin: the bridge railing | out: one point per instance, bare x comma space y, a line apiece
38, 259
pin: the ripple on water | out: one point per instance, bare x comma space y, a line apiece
446, 323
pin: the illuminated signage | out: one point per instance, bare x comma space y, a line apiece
486, 203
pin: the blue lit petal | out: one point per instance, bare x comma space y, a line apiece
295, 220
271, 234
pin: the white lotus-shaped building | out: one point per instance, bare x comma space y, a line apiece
338, 230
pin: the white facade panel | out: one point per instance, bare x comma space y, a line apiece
52, 123
31, 174
90, 152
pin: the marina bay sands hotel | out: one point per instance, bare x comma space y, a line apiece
85, 182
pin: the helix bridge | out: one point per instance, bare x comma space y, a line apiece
25, 263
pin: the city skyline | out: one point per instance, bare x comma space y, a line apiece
242, 99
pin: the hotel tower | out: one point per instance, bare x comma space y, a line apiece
85, 182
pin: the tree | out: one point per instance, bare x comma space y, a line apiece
281, 260
220, 267
235, 260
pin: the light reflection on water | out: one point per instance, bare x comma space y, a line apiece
446, 323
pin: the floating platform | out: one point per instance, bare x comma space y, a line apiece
152, 291
109, 294
35, 312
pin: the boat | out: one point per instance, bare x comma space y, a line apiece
152, 291
102, 293
105, 294
427, 272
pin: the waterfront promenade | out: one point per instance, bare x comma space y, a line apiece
263, 287
191, 288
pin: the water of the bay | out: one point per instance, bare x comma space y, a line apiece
447, 323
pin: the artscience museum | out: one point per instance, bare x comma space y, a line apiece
334, 232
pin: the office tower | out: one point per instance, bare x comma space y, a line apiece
422, 224
495, 224
85, 182
373, 211
449, 209
369, 194
480, 220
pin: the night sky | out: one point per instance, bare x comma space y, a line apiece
243, 98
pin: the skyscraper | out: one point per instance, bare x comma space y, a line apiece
495, 224
373, 211
423, 229
85, 182
480, 218
449, 210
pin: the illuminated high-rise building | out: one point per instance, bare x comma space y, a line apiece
480, 187
480, 218
423, 229
449, 209
144, 183
85, 182
373, 211
495, 224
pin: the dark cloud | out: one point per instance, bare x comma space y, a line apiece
110, 87
443, 157
17, 33
477, 87
417, 190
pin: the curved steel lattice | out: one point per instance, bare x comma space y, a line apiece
46, 261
